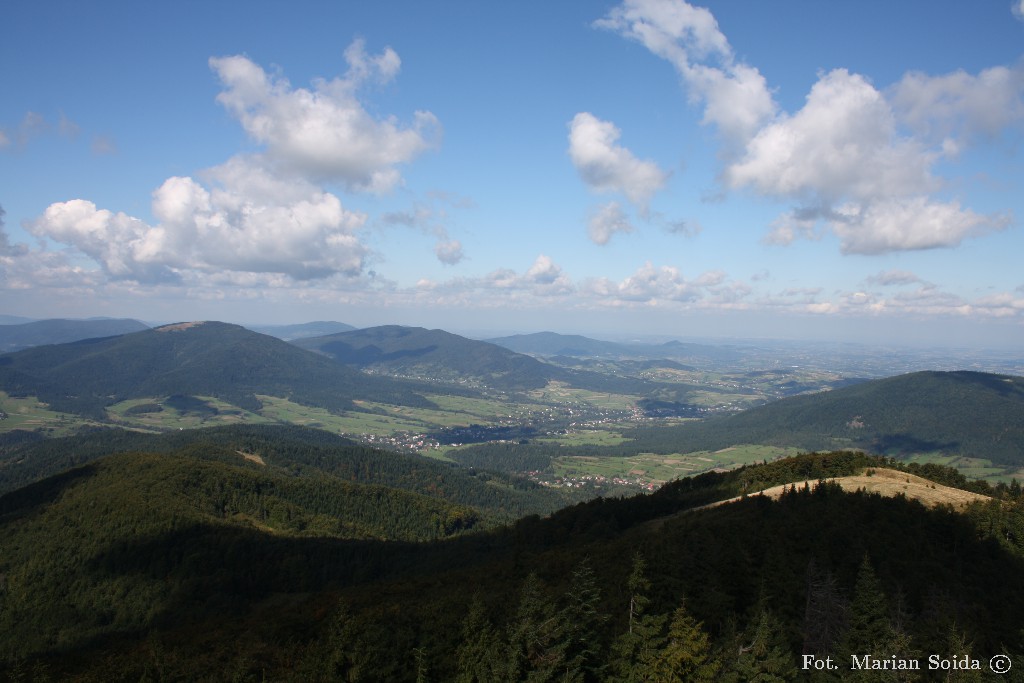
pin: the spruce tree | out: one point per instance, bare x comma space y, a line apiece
635, 651
767, 658
479, 656
536, 650
686, 655
582, 620
868, 626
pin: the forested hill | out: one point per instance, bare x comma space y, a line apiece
297, 451
206, 358
433, 353
134, 568
56, 331
962, 413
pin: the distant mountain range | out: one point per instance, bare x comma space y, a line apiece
14, 337
15, 319
574, 345
302, 330
204, 358
442, 356
959, 413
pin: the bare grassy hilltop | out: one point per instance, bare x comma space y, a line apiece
886, 482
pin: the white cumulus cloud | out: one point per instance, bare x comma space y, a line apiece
842, 143
245, 220
325, 132
909, 223
608, 167
855, 160
264, 216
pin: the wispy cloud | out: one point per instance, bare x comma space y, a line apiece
890, 278
735, 96
103, 145
606, 221
430, 217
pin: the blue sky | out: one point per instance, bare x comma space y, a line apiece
769, 169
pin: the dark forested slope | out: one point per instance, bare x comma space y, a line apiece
299, 451
189, 588
432, 353
207, 358
961, 413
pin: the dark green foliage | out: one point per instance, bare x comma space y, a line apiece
190, 405
144, 409
869, 625
536, 639
686, 655
635, 650
766, 658
584, 660
224, 598
480, 656
299, 451
962, 413
436, 354
506, 457
825, 609
207, 359
120, 542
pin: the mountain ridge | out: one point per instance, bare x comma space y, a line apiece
911, 413
199, 358
418, 351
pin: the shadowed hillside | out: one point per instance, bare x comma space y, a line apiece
203, 565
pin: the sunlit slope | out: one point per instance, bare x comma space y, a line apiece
207, 358
885, 482
961, 413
